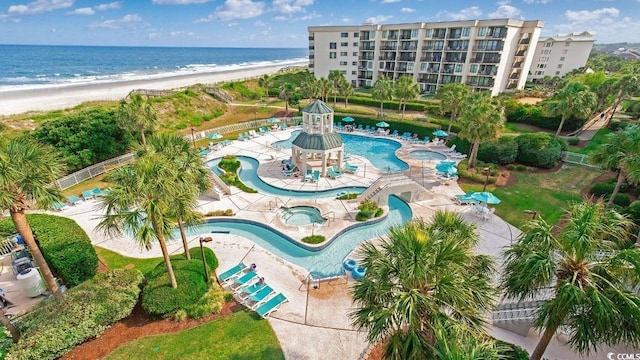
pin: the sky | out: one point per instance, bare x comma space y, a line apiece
283, 23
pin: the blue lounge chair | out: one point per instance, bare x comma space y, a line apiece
244, 279
58, 206
394, 133
339, 126
359, 127
465, 199
245, 291
283, 126
334, 173
260, 296
367, 128
350, 168
270, 306
287, 173
96, 191
87, 195
74, 200
233, 272
316, 175
241, 137
406, 135
308, 176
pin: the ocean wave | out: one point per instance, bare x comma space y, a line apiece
57, 80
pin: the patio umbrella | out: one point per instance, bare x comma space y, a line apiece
382, 124
486, 197
273, 120
448, 169
440, 133
348, 119
214, 136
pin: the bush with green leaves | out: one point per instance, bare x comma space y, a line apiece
477, 175
624, 187
64, 244
53, 328
573, 140
634, 211
539, 150
209, 303
622, 200
159, 299
504, 151
602, 189
535, 115
368, 209
313, 239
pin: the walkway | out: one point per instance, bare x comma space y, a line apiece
315, 323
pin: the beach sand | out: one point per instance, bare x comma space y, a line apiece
62, 97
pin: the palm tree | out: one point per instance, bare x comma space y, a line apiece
27, 170
620, 152
138, 114
605, 89
591, 268
324, 88
575, 99
139, 204
265, 83
625, 87
418, 277
481, 119
382, 91
286, 89
193, 179
451, 98
337, 79
310, 88
405, 89
347, 90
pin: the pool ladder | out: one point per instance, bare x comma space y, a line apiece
274, 203
332, 218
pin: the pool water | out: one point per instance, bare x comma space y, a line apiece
302, 215
427, 155
380, 152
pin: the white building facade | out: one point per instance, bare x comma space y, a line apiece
558, 55
493, 55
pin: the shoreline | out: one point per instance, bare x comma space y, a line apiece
61, 97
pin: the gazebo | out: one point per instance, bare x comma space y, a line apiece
317, 145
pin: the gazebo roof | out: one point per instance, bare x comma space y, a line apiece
317, 107
317, 141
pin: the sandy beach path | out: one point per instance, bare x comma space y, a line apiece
54, 98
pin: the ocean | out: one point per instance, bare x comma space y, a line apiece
37, 66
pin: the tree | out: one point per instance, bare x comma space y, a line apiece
324, 88
451, 96
192, 179
286, 89
574, 99
422, 275
347, 90
405, 89
265, 82
620, 152
481, 119
382, 91
590, 268
605, 89
140, 201
310, 88
137, 114
15, 334
27, 172
337, 79
625, 87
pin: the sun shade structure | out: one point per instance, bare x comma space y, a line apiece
348, 119
318, 145
382, 124
486, 197
273, 120
440, 133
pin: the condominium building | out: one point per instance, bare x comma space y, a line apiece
492, 55
558, 55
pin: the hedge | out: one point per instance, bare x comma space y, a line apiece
539, 150
504, 151
54, 328
634, 211
64, 244
422, 128
463, 172
159, 299
622, 200
602, 189
534, 115
388, 104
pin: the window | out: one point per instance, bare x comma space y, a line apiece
354, 63
344, 34
544, 58
369, 64
343, 63
547, 52
542, 66
356, 34
354, 72
562, 58
428, 33
482, 31
410, 67
414, 33
385, 34
344, 72
355, 53
557, 72
559, 66
458, 68
355, 44
343, 53
549, 44
344, 44
474, 68
332, 45
539, 72
381, 65
332, 55
567, 43
466, 31
564, 51
423, 66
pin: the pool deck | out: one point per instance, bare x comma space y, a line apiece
314, 323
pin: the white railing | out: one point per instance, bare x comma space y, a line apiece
576, 158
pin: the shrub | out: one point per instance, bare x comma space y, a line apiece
539, 150
624, 187
55, 327
573, 140
464, 172
535, 115
227, 212
622, 200
511, 167
230, 164
521, 167
367, 209
64, 244
349, 196
313, 239
210, 303
514, 351
503, 151
634, 211
159, 299
602, 189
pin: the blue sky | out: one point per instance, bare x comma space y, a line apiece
283, 23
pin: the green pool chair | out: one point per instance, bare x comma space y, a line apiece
272, 305
231, 273
244, 279
260, 296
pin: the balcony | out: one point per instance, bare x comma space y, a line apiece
387, 57
524, 41
408, 48
311, 38
515, 76
367, 47
312, 57
388, 48
311, 47
488, 48
408, 58
521, 53
366, 57
405, 36
517, 65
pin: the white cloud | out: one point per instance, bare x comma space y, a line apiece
407, 10
82, 11
235, 9
583, 16
347, 20
290, 6
178, 2
472, 12
127, 21
280, 18
505, 11
260, 23
232, 24
504, 2
109, 6
378, 19
39, 6
537, 1
309, 16
389, 1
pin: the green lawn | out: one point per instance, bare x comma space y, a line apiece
517, 128
596, 141
114, 260
546, 193
242, 335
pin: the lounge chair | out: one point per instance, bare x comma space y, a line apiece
263, 130
252, 133
233, 272
259, 296
245, 291
350, 168
316, 175
394, 133
283, 126
96, 191
58, 206
359, 127
287, 173
465, 200
334, 173
308, 176
244, 279
270, 306
339, 126
241, 137
406, 135
87, 195
451, 149
74, 200
367, 128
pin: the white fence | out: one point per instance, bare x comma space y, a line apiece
575, 158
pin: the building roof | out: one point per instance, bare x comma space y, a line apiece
582, 36
317, 107
317, 141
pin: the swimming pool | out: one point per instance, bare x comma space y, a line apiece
381, 152
427, 155
302, 215
322, 263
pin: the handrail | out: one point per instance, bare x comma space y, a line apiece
330, 212
275, 203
